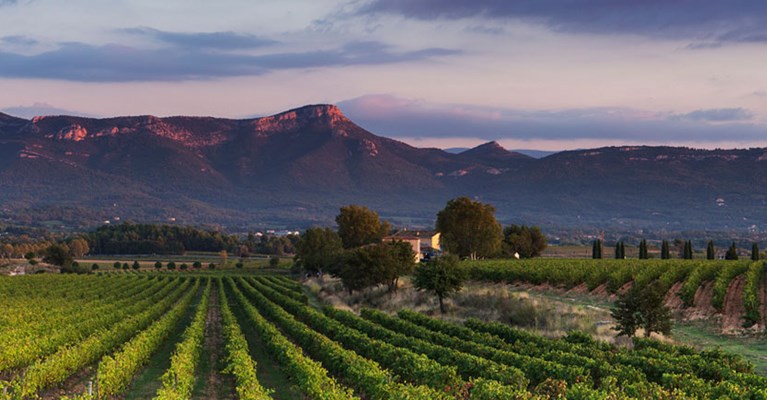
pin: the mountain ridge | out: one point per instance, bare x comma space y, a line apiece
297, 167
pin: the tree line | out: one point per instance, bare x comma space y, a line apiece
685, 247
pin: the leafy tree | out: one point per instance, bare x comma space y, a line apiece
642, 307
58, 255
358, 226
197, 265
158, 265
78, 247
732, 252
94, 267
664, 250
117, 265
125, 266
374, 265
643, 255
136, 265
710, 250
211, 266
442, 276
527, 241
596, 249
469, 229
318, 249
171, 265
184, 266
754, 252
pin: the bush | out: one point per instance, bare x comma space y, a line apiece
125, 266
94, 267
197, 265
136, 265
158, 265
171, 265
239, 265
211, 266
184, 267
116, 265
274, 261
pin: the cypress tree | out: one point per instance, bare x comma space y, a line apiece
688, 250
618, 250
755, 252
596, 249
623, 250
664, 251
732, 252
643, 250
710, 251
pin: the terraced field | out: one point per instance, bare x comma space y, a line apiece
224, 335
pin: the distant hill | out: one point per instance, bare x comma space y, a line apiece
298, 167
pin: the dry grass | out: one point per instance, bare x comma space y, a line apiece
490, 302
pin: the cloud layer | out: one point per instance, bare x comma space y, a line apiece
399, 117
719, 21
193, 56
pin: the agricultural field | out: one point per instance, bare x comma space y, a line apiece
255, 336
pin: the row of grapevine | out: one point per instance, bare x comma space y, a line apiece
57, 367
363, 374
115, 372
239, 362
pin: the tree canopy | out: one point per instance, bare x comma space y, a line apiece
358, 226
373, 265
527, 241
469, 229
442, 276
642, 307
317, 249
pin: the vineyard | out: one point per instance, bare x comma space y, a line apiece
684, 280
89, 337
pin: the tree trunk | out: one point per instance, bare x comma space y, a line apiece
441, 305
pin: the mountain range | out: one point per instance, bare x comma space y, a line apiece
298, 167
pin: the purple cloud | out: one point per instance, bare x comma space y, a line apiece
117, 63
398, 117
723, 21
204, 40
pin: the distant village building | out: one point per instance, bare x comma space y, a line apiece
422, 242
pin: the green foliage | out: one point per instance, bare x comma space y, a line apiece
358, 226
197, 265
125, 266
274, 261
732, 252
620, 251
318, 249
130, 238
136, 265
642, 307
239, 265
442, 276
59, 255
754, 252
183, 267
726, 274
665, 254
170, 265
469, 229
687, 252
374, 265
643, 254
117, 265
158, 265
94, 267
710, 250
211, 266
754, 277
527, 241
596, 249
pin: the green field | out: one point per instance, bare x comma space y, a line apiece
233, 335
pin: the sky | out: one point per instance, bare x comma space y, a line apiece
530, 74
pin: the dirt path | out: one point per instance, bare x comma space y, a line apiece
75, 384
732, 314
216, 385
